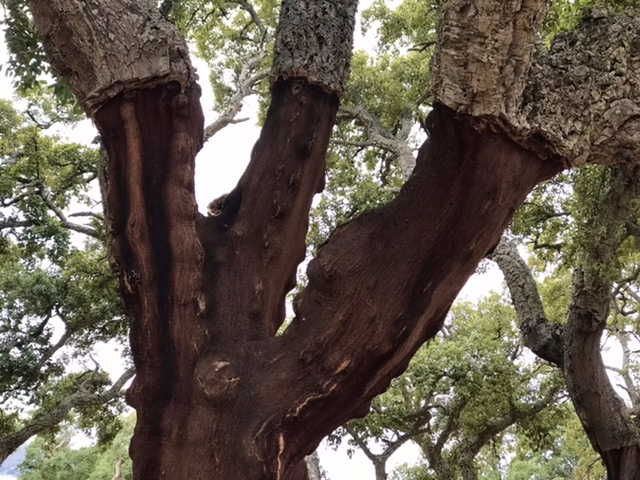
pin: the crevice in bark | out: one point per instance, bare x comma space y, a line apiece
151, 137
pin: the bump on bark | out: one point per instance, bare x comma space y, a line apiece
314, 41
117, 45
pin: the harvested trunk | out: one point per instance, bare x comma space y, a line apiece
216, 393
219, 395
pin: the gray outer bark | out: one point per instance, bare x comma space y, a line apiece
580, 101
484, 53
143, 50
313, 466
583, 95
314, 40
542, 337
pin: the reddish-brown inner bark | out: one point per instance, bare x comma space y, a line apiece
217, 394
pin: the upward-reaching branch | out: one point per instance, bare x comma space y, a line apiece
543, 337
264, 219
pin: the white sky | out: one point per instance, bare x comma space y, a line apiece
219, 166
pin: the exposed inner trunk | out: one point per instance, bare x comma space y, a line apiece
217, 395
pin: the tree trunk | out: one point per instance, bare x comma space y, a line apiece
217, 394
380, 470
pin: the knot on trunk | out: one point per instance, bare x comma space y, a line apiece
217, 379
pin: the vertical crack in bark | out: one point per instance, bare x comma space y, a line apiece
151, 137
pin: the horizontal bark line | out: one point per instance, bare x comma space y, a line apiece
117, 46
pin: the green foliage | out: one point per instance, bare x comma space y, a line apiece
569, 456
463, 390
386, 97
57, 461
27, 62
63, 464
564, 15
228, 38
58, 296
408, 26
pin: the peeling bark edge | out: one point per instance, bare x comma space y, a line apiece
578, 100
314, 41
127, 45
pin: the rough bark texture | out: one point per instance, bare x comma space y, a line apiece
314, 471
117, 46
583, 95
314, 41
580, 100
485, 51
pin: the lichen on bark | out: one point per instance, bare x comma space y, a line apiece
314, 41
143, 49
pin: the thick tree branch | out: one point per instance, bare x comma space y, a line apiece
543, 337
48, 419
485, 51
377, 136
437, 209
263, 221
603, 414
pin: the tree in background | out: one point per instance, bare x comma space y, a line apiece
459, 396
596, 289
88, 463
204, 305
57, 294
